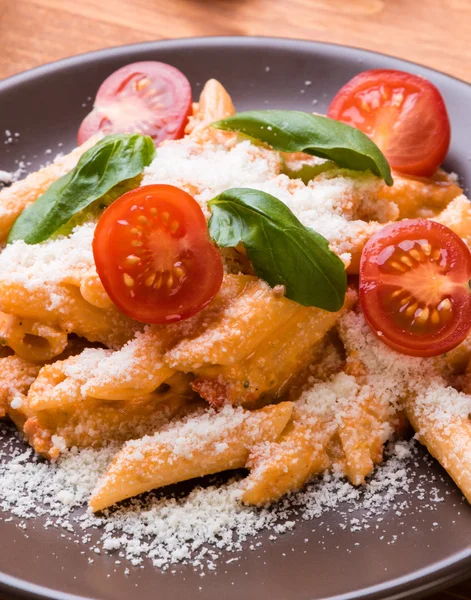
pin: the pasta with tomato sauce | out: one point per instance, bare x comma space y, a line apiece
248, 297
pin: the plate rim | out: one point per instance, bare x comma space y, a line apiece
68, 61
424, 583
437, 576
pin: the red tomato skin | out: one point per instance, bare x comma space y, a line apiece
118, 109
111, 247
457, 272
426, 124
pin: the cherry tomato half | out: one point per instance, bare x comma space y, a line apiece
154, 256
148, 97
414, 287
405, 115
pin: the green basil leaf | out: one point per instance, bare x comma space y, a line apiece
112, 160
296, 131
282, 251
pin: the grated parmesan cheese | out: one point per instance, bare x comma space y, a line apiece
328, 204
196, 528
51, 262
6, 177
392, 375
167, 528
9, 177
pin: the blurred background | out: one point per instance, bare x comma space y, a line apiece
435, 33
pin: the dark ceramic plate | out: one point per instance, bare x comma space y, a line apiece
417, 552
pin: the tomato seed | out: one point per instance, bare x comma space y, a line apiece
132, 259
444, 304
150, 280
407, 261
128, 280
423, 315
395, 265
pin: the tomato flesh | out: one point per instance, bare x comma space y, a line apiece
404, 114
147, 97
154, 256
414, 287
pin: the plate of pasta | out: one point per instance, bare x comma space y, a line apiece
235, 317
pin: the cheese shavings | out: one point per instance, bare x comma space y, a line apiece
328, 204
51, 262
394, 376
195, 528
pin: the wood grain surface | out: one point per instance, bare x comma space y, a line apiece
436, 33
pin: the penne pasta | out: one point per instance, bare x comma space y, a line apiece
363, 431
457, 216
245, 324
250, 379
142, 365
214, 104
69, 312
95, 423
31, 340
282, 467
274, 363
416, 197
199, 446
449, 440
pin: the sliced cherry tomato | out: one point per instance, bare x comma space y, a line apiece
154, 256
405, 115
414, 287
148, 97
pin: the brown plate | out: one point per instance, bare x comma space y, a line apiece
413, 553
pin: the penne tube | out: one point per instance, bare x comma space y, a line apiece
198, 446
363, 432
457, 216
274, 363
94, 423
93, 292
214, 104
246, 322
59, 385
449, 442
32, 340
420, 197
69, 312
282, 467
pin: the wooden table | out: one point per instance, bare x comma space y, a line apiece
436, 33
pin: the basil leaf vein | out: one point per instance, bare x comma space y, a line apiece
281, 249
111, 161
296, 131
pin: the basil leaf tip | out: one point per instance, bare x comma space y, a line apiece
281, 249
296, 131
111, 161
